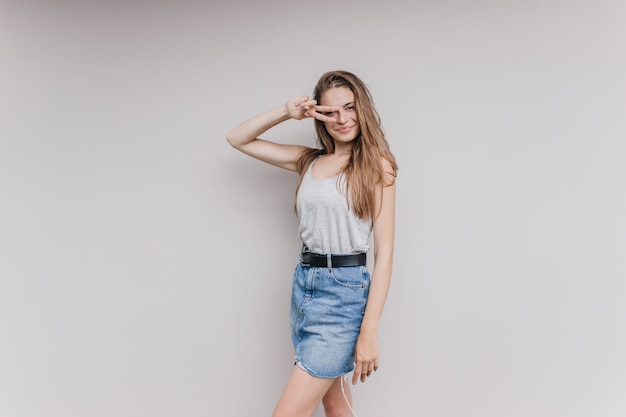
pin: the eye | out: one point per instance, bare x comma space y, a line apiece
329, 113
351, 108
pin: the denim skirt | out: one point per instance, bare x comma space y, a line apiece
327, 307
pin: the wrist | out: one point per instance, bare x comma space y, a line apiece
369, 329
284, 112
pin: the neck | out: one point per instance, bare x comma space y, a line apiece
343, 149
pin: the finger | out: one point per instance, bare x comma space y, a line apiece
360, 369
297, 100
323, 109
356, 375
320, 113
307, 104
376, 364
364, 373
304, 106
323, 117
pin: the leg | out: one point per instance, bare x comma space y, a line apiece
301, 395
335, 404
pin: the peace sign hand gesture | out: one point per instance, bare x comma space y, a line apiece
301, 107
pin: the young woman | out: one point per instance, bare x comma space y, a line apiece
346, 192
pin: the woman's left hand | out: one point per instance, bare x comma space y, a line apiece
365, 356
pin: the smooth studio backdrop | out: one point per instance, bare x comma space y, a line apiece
145, 266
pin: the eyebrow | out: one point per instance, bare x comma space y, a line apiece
350, 103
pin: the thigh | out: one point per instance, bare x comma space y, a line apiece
338, 399
301, 395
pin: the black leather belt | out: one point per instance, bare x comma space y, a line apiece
337, 261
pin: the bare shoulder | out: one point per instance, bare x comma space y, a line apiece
390, 170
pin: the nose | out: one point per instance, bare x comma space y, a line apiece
341, 117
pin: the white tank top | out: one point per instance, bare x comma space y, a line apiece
326, 223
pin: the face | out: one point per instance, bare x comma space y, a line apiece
346, 127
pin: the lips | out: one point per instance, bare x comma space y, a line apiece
345, 129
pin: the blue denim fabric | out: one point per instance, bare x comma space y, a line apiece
327, 308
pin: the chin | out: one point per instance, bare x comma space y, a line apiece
346, 138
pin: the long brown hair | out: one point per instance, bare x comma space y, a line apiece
365, 171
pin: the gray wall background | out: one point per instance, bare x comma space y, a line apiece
145, 265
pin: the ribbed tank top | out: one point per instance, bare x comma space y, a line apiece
327, 225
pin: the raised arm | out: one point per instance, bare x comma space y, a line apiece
244, 136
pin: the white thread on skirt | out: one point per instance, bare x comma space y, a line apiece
345, 397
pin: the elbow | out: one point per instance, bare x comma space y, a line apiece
383, 256
231, 140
